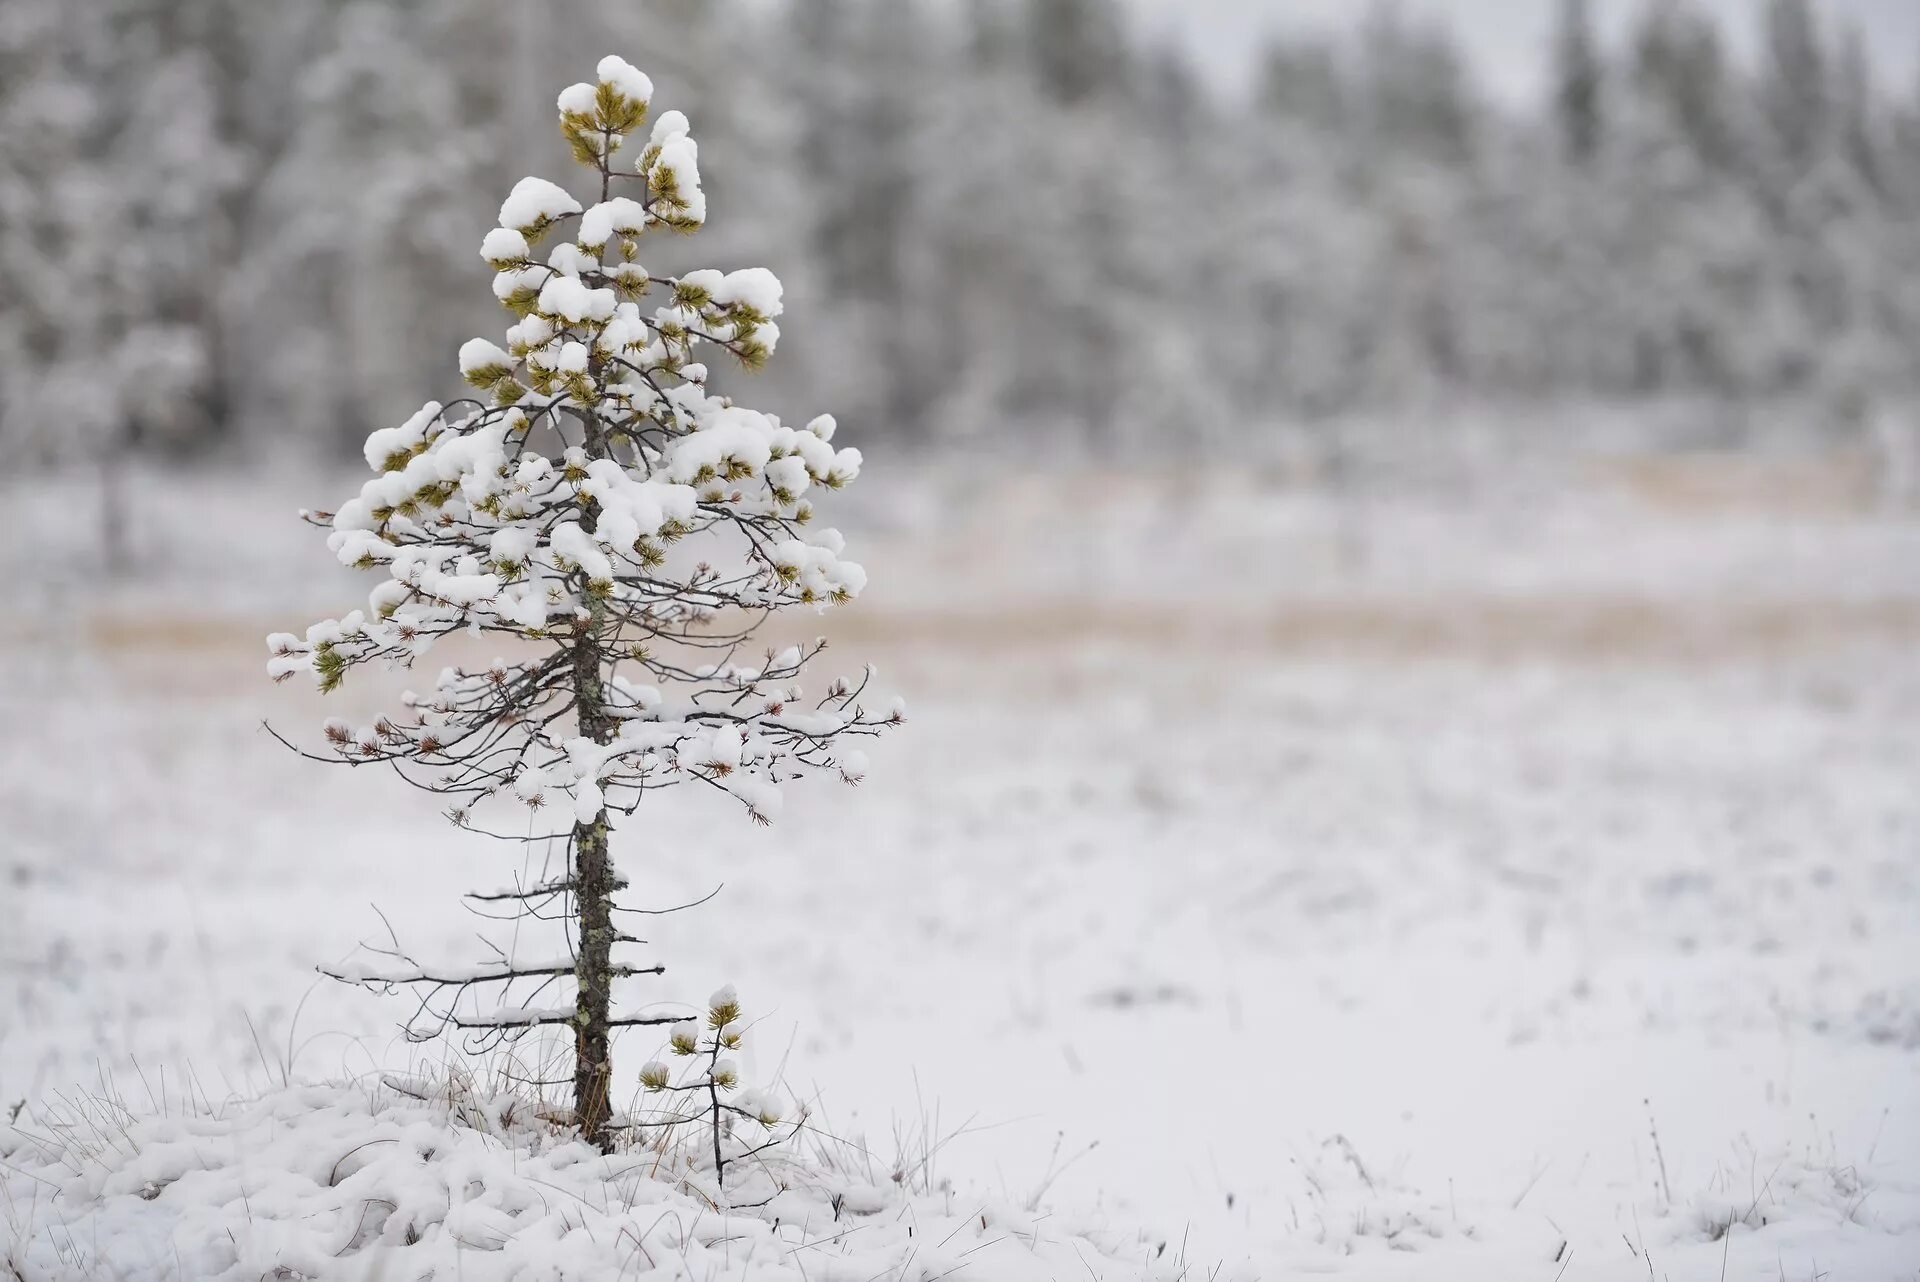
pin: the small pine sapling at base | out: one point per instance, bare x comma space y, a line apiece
712, 1083
623, 531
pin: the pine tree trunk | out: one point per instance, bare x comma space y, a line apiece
593, 887
592, 1052
594, 883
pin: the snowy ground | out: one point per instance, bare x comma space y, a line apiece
1349, 886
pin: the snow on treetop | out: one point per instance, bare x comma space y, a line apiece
478, 354
670, 125
534, 202
623, 76
504, 245
619, 214
389, 447
546, 510
577, 100
565, 297
751, 287
765, 1106
671, 163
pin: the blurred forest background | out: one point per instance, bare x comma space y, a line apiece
250, 229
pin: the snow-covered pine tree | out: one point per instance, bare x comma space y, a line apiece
548, 515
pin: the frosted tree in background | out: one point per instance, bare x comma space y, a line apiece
1578, 77
233, 229
1679, 70
623, 530
1794, 92
112, 178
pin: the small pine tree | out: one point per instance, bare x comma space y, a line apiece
625, 529
717, 1078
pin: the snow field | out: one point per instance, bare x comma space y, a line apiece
1378, 947
391, 1179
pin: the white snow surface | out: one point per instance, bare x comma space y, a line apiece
1371, 876
628, 80
533, 201
341, 1182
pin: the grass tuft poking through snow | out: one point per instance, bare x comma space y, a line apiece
398, 1180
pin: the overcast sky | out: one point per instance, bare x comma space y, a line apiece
1507, 37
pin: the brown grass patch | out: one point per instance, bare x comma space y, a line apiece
1836, 483
1490, 629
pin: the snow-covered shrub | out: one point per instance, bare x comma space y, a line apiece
551, 510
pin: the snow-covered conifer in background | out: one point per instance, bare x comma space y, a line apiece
623, 529
234, 232
1579, 82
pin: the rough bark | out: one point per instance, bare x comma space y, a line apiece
594, 883
593, 973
